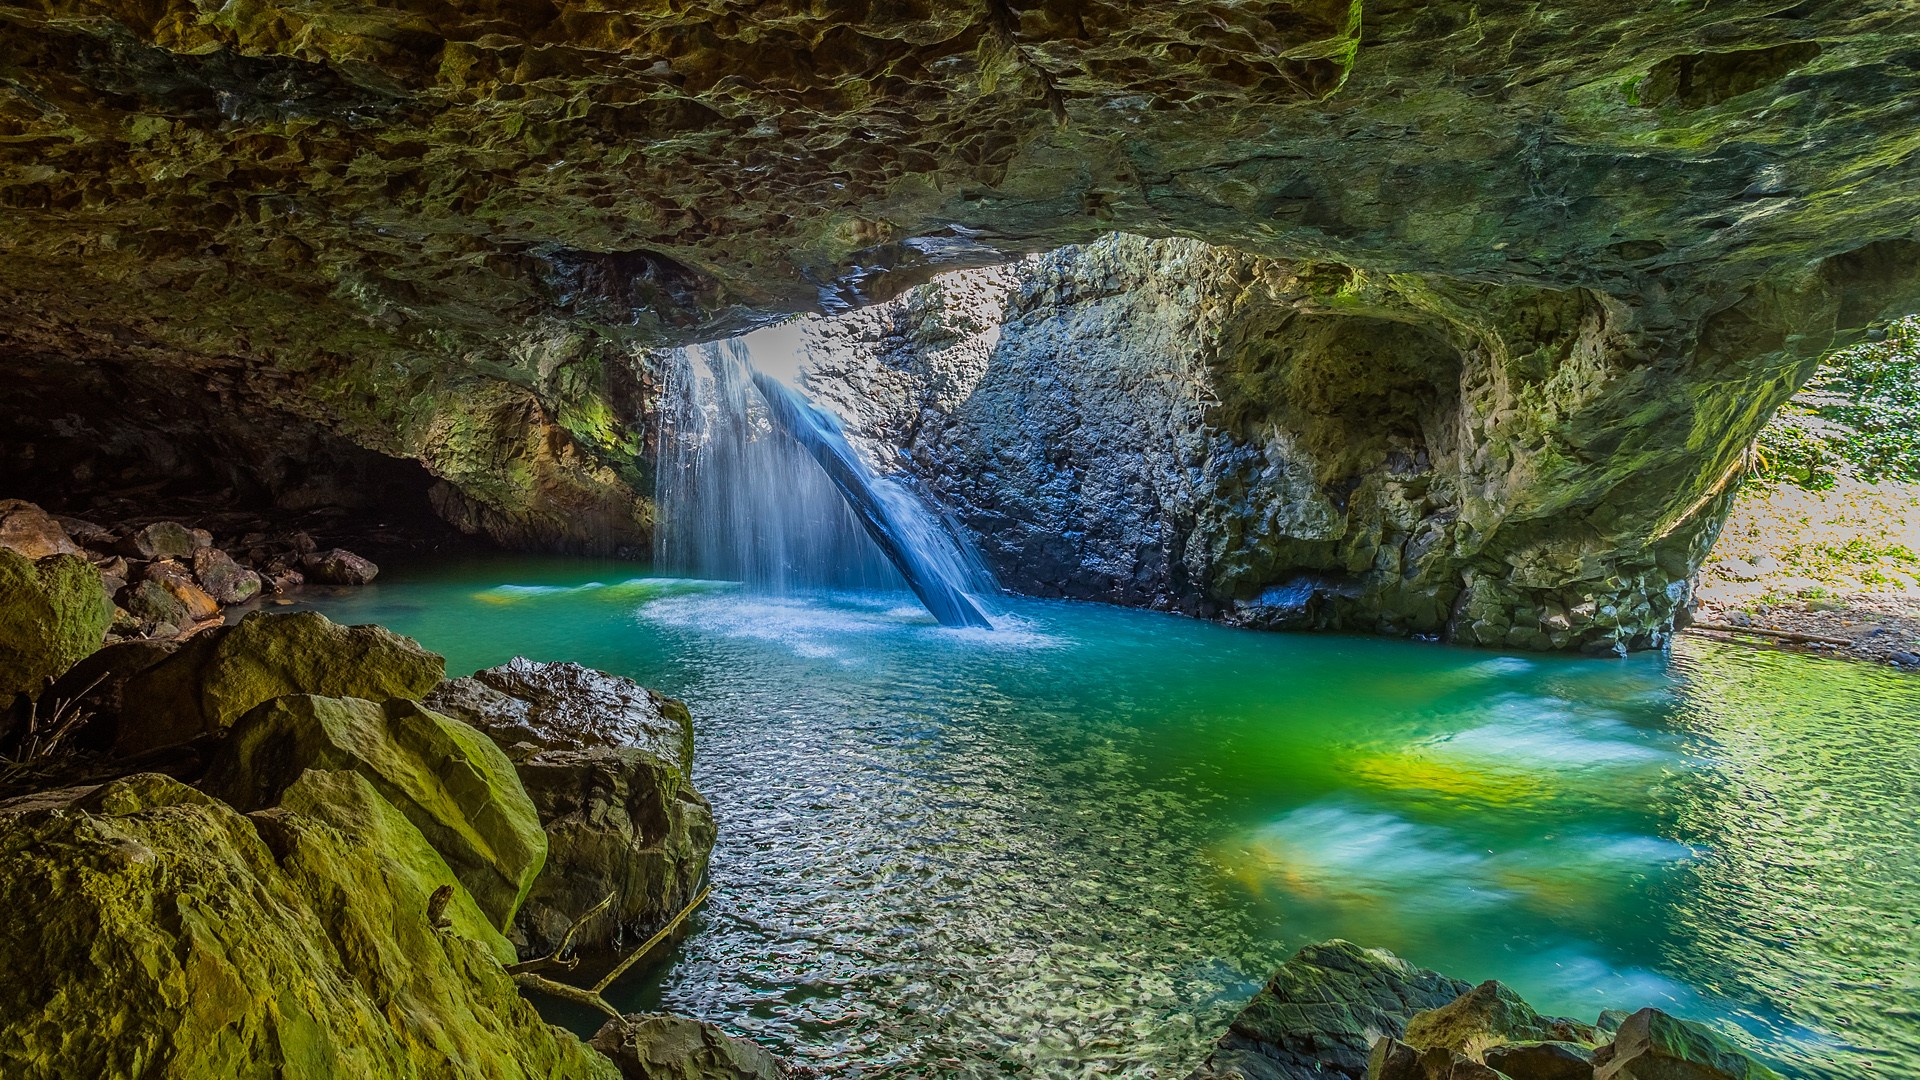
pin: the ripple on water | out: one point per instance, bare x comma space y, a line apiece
1077, 844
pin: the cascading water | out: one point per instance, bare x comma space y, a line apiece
758, 484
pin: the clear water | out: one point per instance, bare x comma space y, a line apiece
1074, 846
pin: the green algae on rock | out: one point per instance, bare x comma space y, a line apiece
53, 612
174, 937
217, 676
456, 788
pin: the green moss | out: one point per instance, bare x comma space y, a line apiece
52, 613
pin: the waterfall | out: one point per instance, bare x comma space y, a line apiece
760, 485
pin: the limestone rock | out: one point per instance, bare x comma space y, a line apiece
30, 531
52, 613
225, 580
163, 540
456, 787
208, 943
564, 706
221, 674
606, 763
338, 566
1489, 1015
675, 1048
1651, 1045
1322, 1013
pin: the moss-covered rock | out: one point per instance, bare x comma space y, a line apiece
458, 789
1651, 1045
53, 612
607, 763
1490, 1015
217, 676
160, 933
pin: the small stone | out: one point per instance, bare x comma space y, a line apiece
1905, 659
225, 580
1740, 570
339, 567
31, 531
160, 540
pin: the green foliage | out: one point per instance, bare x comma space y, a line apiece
1859, 416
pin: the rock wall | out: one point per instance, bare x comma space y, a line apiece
1305, 444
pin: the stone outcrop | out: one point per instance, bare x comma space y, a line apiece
1337, 1010
607, 764
1322, 1012
160, 932
675, 1048
215, 678
437, 232
53, 612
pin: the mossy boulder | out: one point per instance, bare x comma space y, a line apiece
606, 762
216, 677
456, 787
163, 934
1651, 1045
1490, 1015
53, 612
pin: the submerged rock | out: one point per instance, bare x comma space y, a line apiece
159, 932
674, 1048
219, 675
607, 764
457, 788
1322, 1013
53, 612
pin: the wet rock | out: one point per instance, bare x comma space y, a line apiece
1392, 1059
291, 942
30, 531
338, 566
223, 579
1322, 1013
53, 612
1651, 1045
456, 787
282, 581
214, 679
163, 540
1489, 1015
1542, 1060
675, 1048
607, 764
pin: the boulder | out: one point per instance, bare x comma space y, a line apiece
1654, 1046
161, 933
178, 580
1394, 1060
1322, 1013
1542, 1060
457, 788
155, 605
606, 762
1489, 1015
163, 540
338, 567
225, 580
53, 611
219, 675
86, 533
30, 531
97, 685
675, 1048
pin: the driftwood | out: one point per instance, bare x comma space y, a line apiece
1765, 631
44, 736
524, 975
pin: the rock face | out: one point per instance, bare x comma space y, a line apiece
1322, 1013
53, 612
606, 763
214, 679
172, 936
438, 231
675, 1048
